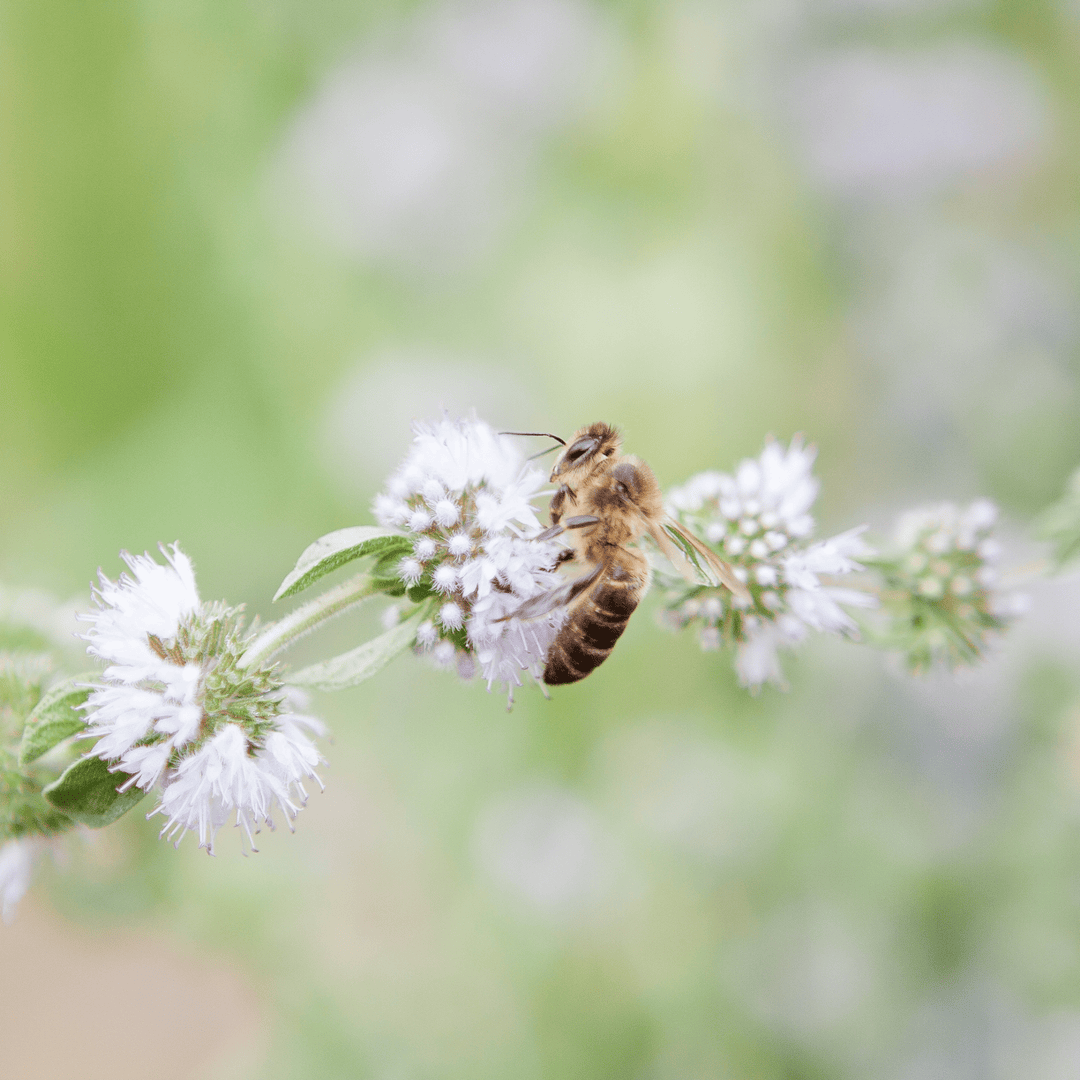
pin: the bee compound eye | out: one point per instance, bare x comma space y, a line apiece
580, 449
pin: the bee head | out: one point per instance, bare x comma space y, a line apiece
588, 446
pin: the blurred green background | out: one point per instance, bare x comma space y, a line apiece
246, 243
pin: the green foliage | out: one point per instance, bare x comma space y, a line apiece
421, 591
339, 548
55, 717
385, 576
23, 810
87, 791
1060, 524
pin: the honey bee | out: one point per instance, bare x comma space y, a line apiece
606, 501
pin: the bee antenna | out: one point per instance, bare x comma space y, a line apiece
538, 434
533, 457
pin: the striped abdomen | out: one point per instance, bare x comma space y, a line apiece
595, 624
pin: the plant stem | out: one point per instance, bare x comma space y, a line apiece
365, 660
307, 617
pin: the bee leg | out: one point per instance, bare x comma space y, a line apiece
556, 504
549, 601
581, 521
549, 534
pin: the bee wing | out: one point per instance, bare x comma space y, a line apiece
554, 598
693, 559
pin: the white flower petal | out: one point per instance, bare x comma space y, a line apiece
146, 764
756, 659
505, 649
819, 610
833, 556
153, 602
222, 778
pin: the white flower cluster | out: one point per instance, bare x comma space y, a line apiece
940, 600
175, 709
933, 536
465, 493
759, 521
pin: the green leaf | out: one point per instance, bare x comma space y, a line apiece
87, 792
361, 663
334, 550
391, 586
55, 717
385, 575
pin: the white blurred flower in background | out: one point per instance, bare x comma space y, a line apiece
806, 970
544, 846
384, 393
895, 124
970, 328
412, 154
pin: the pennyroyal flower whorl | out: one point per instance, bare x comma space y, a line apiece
176, 710
466, 494
941, 603
759, 521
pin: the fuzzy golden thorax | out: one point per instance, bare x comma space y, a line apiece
626, 497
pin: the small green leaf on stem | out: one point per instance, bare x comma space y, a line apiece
361, 663
55, 717
334, 550
87, 792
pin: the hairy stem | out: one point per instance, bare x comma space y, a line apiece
307, 617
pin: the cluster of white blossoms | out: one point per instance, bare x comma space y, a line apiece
759, 521
465, 493
176, 710
940, 601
